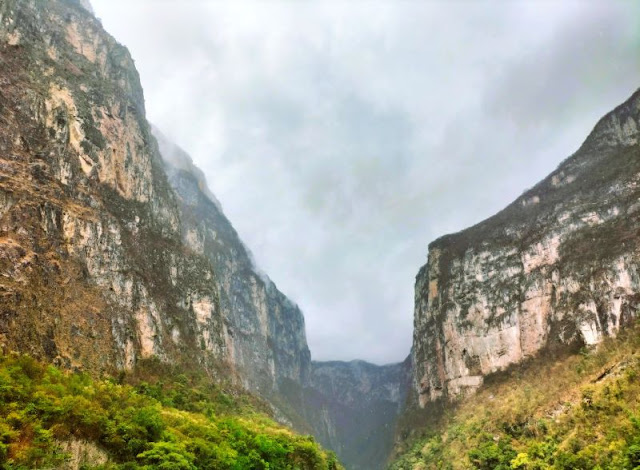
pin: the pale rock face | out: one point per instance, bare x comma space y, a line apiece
264, 338
263, 332
86, 4
82, 454
110, 256
557, 269
84, 44
87, 210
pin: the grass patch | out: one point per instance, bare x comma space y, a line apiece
578, 412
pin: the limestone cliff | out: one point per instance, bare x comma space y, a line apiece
113, 249
558, 268
104, 259
263, 330
351, 407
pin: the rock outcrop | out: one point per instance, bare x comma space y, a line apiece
558, 268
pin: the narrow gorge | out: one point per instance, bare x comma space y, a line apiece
114, 250
114, 253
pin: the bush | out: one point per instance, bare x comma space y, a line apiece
40, 406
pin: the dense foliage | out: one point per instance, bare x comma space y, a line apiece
577, 412
179, 426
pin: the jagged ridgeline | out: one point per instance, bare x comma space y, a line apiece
113, 252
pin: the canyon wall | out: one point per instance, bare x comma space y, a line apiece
556, 269
354, 407
263, 331
114, 251
350, 407
110, 255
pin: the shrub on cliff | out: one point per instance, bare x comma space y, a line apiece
41, 407
585, 414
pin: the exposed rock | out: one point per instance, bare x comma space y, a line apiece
351, 407
82, 454
91, 223
263, 331
558, 268
109, 255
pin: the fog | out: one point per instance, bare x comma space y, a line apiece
342, 137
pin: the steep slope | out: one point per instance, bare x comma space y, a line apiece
584, 414
263, 330
555, 270
351, 407
83, 189
69, 421
111, 255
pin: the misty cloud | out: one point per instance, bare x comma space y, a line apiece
342, 137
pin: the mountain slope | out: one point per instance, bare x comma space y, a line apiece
584, 414
53, 419
113, 251
557, 269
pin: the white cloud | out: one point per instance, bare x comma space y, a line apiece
342, 137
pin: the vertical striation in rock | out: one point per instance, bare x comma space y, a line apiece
81, 189
351, 407
105, 259
558, 268
263, 331
113, 250
102, 264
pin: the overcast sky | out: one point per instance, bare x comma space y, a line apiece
342, 137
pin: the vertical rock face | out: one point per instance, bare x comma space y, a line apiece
351, 407
113, 250
104, 259
558, 268
81, 187
263, 331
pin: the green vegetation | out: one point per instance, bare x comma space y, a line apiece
183, 425
578, 412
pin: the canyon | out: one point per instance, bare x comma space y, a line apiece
113, 251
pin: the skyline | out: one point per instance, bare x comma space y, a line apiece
342, 140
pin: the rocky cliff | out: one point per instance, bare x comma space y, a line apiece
263, 330
351, 407
113, 250
110, 256
556, 269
